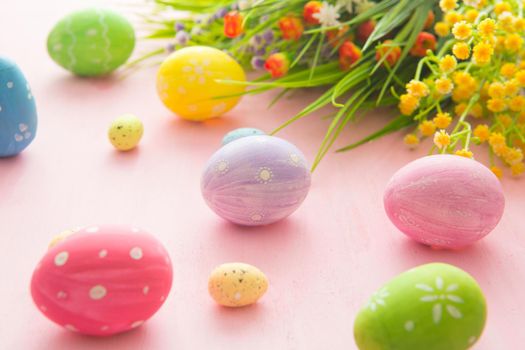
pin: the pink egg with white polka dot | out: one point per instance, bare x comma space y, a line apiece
102, 280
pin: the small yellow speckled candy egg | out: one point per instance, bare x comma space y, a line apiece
125, 132
186, 82
237, 284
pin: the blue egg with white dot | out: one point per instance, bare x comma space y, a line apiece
240, 133
18, 117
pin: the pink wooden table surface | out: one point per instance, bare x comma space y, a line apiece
323, 262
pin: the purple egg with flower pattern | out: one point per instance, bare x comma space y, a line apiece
256, 180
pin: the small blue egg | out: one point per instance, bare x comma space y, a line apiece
18, 118
239, 133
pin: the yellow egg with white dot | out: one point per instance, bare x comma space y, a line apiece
125, 132
237, 284
187, 82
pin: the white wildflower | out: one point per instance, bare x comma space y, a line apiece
328, 15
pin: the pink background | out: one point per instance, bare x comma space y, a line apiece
323, 262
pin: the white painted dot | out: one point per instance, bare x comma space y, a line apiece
70, 328
219, 108
136, 253
193, 108
10, 84
91, 32
295, 158
61, 295
57, 47
409, 326
43, 308
29, 96
103, 253
472, 340
61, 258
162, 298
19, 138
97, 292
145, 290
182, 90
237, 296
104, 328
137, 324
22, 127
92, 229
256, 217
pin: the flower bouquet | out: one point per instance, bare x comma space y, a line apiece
453, 69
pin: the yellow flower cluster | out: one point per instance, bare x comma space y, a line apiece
474, 91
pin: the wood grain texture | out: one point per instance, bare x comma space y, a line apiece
323, 262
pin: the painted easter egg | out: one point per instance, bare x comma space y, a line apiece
433, 307
237, 284
125, 132
102, 280
91, 42
18, 118
444, 201
239, 133
186, 82
256, 180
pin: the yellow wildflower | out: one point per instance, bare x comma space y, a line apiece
427, 128
497, 90
517, 169
460, 109
502, 7
442, 29
482, 54
441, 139
408, 104
448, 64
461, 50
464, 153
448, 5
517, 103
462, 30
462, 93
471, 15
482, 132
506, 22
442, 120
417, 88
453, 17
512, 87
444, 85
508, 70
513, 42
487, 27
520, 77
513, 156
496, 105
476, 111
497, 171
464, 79
496, 139
505, 119
411, 140
519, 24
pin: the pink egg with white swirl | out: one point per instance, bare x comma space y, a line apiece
102, 280
444, 201
256, 180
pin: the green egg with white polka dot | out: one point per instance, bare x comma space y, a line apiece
431, 307
91, 42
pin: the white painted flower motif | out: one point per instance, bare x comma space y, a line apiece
24, 133
264, 175
328, 15
378, 299
442, 297
197, 70
222, 167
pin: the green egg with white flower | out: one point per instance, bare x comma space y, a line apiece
91, 42
432, 307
